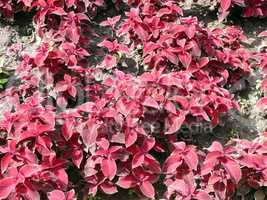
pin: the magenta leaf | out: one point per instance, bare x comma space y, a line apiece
109, 168
147, 189
127, 182
233, 168
150, 102
177, 122
225, 4
56, 195
7, 185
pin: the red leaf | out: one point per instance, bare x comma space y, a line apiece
171, 57
27, 2
263, 34
7, 185
66, 130
185, 59
191, 159
5, 160
264, 84
72, 91
127, 182
70, 3
108, 188
190, 31
202, 195
169, 106
172, 163
73, 34
130, 137
86, 107
109, 168
77, 156
181, 100
147, 189
179, 186
148, 144
177, 122
216, 146
233, 168
150, 102
109, 62
70, 195
138, 160
225, 4
61, 102
262, 102
56, 195
89, 135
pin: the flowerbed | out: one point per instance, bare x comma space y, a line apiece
78, 111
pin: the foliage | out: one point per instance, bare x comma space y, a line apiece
70, 110
257, 8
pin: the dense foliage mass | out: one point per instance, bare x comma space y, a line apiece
250, 7
82, 121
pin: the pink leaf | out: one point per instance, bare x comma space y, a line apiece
77, 156
171, 57
263, 34
190, 31
169, 106
72, 91
180, 186
148, 144
177, 122
185, 59
61, 102
127, 182
29, 170
73, 34
7, 185
130, 137
86, 107
89, 135
216, 146
147, 189
5, 160
181, 100
70, 195
172, 163
191, 159
109, 62
202, 195
70, 3
56, 195
233, 168
138, 160
62, 176
264, 84
225, 5
262, 102
109, 168
108, 188
66, 130
141, 32
150, 102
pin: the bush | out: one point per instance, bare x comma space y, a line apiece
82, 121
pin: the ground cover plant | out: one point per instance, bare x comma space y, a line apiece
101, 103
250, 8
